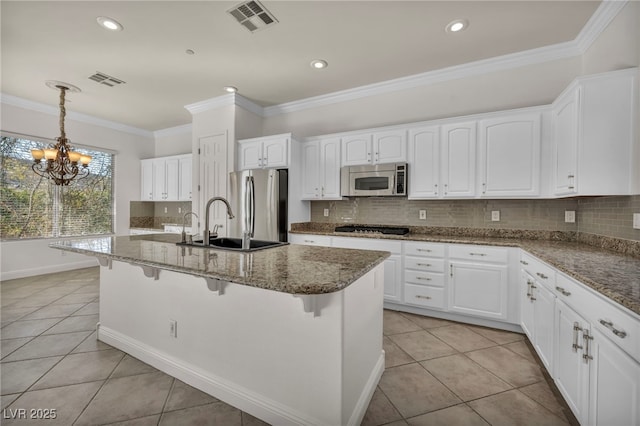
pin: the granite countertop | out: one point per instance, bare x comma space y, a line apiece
612, 274
291, 269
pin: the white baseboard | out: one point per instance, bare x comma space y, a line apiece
367, 393
48, 269
257, 405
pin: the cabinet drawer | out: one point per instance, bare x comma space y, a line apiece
424, 278
424, 264
424, 296
618, 326
310, 240
395, 247
424, 249
538, 270
479, 253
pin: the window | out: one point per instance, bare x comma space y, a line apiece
33, 207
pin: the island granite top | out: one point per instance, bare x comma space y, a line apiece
612, 274
294, 269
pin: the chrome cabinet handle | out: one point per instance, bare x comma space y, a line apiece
524, 263
484, 188
563, 291
620, 333
322, 193
418, 296
309, 241
478, 254
541, 275
587, 338
532, 287
425, 250
576, 329
529, 291
423, 278
423, 264
451, 270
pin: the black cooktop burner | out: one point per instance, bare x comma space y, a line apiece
392, 230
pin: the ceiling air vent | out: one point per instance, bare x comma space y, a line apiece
252, 15
107, 80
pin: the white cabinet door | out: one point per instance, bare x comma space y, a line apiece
565, 142
146, 180
614, 397
186, 178
311, 170
459, 159
543, 324
390, 146
477, 289
274, 153
250, 155
393, 278
510, 156
356, 150
172, 178
526, 304
424, 162
159, 180
330, 169
571, 372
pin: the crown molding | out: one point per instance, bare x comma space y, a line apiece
605, 13
75, 116
172, 131
225, 100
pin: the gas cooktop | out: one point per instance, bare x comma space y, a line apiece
362, 229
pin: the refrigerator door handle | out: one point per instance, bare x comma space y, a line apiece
251, 207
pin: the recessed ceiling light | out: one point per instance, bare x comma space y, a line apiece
230, 89
109, 23
318, 64
457, 25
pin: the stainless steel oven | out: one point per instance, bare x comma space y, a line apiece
378, 180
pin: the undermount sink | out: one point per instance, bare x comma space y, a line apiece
234, 244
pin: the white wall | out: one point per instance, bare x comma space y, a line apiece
173, 141
33, 257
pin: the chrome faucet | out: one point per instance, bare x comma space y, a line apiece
184, 222
206, 233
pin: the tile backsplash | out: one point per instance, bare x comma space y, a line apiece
150, 214
608, 216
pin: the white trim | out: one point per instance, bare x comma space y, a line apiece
598, 22
21, 273
245, 103
76, 116
367, 393
225, 100
172, 131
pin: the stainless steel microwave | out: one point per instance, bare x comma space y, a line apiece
380, 180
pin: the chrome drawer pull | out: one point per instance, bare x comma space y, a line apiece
422, 297
423, 264
563, 291
620, 333
524, 263
423, 278
541, 275
587, 338
478, 254
309, 241
576, 328
427, 250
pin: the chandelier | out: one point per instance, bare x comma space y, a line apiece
61, 163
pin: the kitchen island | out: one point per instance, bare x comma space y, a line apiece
291, 335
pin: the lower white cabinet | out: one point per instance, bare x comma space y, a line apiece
424, 280
310, 240
543, 323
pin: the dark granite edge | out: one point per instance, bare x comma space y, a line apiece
619, 245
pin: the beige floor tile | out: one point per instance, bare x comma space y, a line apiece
68, 402
464, 377
422, 345
81, 368
35, 301
18, 376
249, 420
380, 411
130, 366
458, 415
142, 421
413, 390
522, 349
13, 314
184, 396
398, 423
52, 345
5, 400
10, 345
542, 394
427, 322
462, 338
514, 408
72, 324
92, 344
54, 311
217, 413
89, 309
76, 298
127, 398
30, 328
393, 355
394, 323
501, 337
508, 365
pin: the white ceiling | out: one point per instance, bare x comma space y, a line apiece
364, 42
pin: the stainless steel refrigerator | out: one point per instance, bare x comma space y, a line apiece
259, 201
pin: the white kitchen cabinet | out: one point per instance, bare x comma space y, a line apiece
165, 179
509, 148
458, 159
478, 281
424, 162
264, 152
593, 135
185, 180
310, 240
321, 169
424, 279
146, 180
375, 148
526, 304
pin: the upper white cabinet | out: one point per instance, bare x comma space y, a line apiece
321, 169
375, 148
264, 152
458, 159
509, 148
166, 178
593, 130
424, 162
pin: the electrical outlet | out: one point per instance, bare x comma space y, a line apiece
636, 221
179, 210
495, 215
173, 328
166, 210
570, 216
423, 214
326, 212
